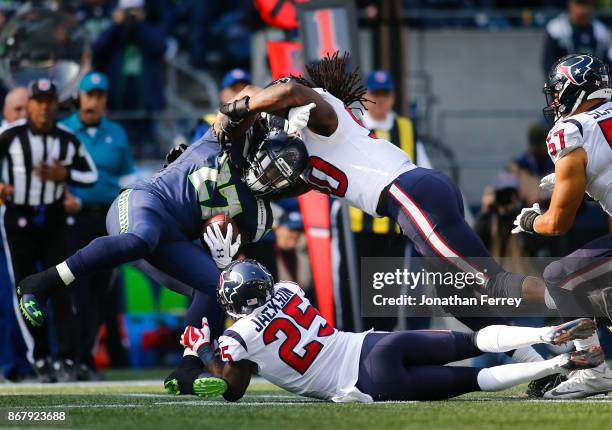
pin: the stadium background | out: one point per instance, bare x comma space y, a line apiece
468, 73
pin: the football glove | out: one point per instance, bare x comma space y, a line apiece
547, 183
221, 248
298, 117
524, 221
195, 338
236, 110
175, 153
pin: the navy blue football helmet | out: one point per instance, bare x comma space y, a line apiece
280, 162
572, 80
244, 286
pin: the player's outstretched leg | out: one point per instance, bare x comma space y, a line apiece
134, 222
501, 338
502, 377
429, 208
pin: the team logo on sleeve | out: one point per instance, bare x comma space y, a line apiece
577, 70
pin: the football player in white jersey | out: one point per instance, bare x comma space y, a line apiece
580, 144
348, 162
281, 335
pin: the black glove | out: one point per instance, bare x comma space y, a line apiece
236, 110
227, 127
175, 153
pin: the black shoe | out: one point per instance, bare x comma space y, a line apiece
44, 370
65, 370
537, 388
180, 381
33, 292
88, 373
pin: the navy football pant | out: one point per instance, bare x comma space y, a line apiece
428, 206
140, 227
569, 279
409, 365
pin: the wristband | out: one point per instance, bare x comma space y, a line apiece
527, 221
206, 354
236, 110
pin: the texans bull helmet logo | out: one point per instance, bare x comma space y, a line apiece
576, 68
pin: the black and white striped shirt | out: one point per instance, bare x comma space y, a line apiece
22, 149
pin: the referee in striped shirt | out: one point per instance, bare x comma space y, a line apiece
38, 158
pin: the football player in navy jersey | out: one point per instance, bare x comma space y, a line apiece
159, 218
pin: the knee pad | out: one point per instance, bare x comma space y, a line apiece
554, 274
505, 285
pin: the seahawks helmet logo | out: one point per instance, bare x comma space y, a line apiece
576, 68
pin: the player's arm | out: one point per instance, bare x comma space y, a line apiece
230, 378
567, 196
278, 99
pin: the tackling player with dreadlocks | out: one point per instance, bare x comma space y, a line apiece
350, 163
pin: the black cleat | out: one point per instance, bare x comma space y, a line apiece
44, 370
33, 292
537, 387
180, 381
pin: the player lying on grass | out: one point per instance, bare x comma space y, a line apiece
580, 144
278, 333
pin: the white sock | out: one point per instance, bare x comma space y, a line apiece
584, 344
549, 301
501, 377
526, 354
189, 351
65, 273
502, 338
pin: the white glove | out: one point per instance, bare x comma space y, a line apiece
526, 213
298, 117
221, 248
548, 182
194, 338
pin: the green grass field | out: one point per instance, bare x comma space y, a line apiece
143, 405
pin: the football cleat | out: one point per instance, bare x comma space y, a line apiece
180, 381
577, 329
207, 387
538, 387
33, 292
586, 359
31, 309
583, 383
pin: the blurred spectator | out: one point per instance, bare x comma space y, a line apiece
575, 32
42, 158
381, 237
131, 53
232, 83
15, 104
291, 250
221, 33
95, 16
533, 164
108, 145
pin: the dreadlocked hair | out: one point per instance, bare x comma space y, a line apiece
330, 73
